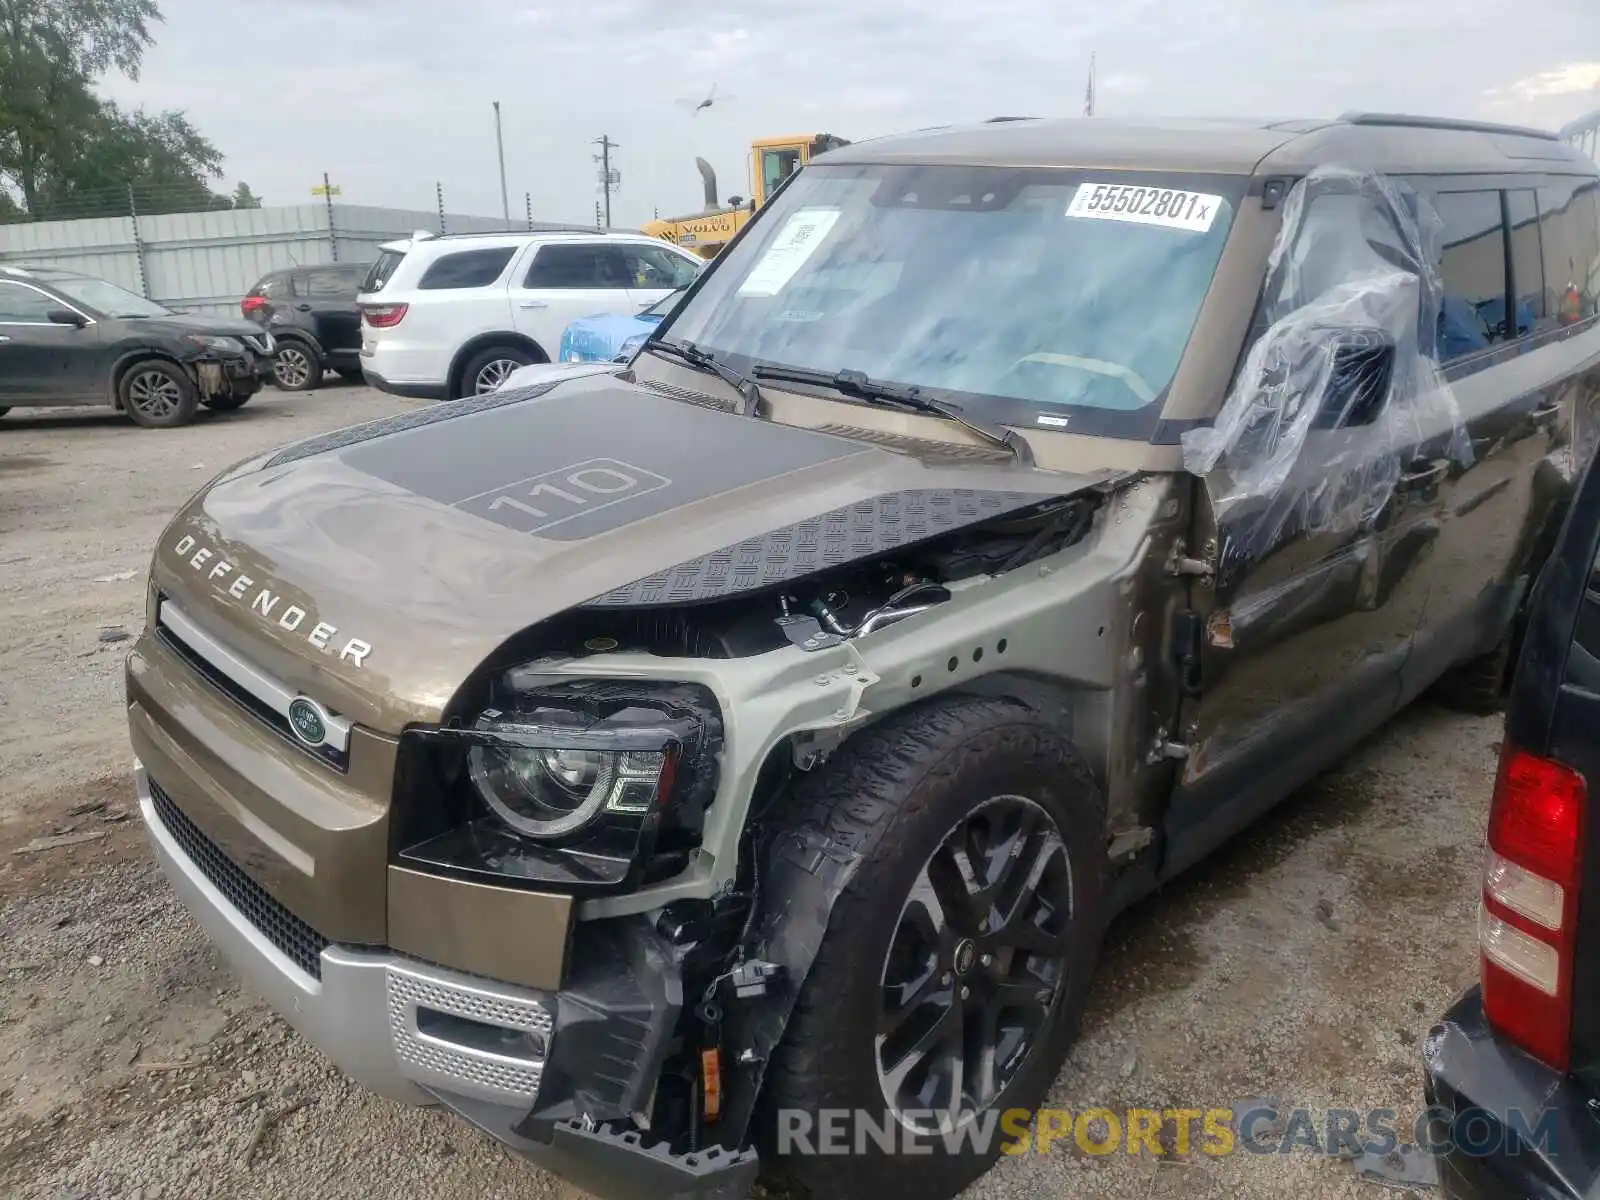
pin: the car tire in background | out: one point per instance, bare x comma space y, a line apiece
353, 374
157, 394
489, 367
979, 830
296, 367
1478, 685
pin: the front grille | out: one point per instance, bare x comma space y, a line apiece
252, 704
491, 1073
302, 944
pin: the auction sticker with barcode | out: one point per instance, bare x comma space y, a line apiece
1175, 209
796, 241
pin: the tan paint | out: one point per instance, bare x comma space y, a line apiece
498, 932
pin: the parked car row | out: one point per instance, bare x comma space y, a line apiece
437, 317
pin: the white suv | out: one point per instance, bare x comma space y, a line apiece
451, 316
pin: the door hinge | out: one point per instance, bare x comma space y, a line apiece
1162, 748
1186, 635
1199, 568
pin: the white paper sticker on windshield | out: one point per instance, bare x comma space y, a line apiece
1175, 209
796, 241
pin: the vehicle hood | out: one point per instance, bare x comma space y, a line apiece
374, 568
181, 323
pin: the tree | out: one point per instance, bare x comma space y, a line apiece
62, 148
243, 197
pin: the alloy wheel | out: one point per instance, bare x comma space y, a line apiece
976, 965
154, 394
492, 374
291, 367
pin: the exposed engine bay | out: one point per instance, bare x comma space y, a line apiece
825, 608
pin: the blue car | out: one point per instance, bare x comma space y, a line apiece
608, 338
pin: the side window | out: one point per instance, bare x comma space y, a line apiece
381, 270
23, 306
576, 266
328, 283
1527, 262
278, 287
776, 166
1569, 225
466, 269
650, 267
1473, 267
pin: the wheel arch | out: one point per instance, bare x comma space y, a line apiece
483, 341
307, 339
131, 358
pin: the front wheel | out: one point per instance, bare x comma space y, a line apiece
489, 368
953, 974
157, 394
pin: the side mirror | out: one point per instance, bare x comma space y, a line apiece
1359, 381
65, 316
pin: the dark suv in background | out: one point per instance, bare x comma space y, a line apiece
312, 313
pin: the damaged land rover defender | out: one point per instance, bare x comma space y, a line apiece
642, 762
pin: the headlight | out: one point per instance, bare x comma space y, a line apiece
583, 785
224, 345
630, 347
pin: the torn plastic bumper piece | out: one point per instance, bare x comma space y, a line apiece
617, 1165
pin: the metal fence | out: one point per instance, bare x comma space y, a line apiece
206, 261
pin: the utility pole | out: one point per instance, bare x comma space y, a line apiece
500, 145
609, 179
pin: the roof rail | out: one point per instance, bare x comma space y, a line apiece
1406, 121
995, 120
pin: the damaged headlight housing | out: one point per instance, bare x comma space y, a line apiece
223, 345
581, 785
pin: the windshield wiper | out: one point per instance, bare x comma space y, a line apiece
877, 391
704, 360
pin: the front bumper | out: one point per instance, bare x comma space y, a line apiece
424, 1035
1483, 1092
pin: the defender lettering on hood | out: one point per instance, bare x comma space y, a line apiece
263, 603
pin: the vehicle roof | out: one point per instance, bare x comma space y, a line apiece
513, 237
1362, 141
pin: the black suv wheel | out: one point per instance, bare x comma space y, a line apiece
956, 962
157, 394
296, 367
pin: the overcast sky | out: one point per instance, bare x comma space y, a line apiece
389, 96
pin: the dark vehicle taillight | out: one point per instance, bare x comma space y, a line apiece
252, 305
383, 316
1527, 923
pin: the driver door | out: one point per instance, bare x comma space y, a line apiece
1318, 586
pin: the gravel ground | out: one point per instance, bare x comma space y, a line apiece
1302, 964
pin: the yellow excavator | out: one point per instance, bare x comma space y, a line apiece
772, 160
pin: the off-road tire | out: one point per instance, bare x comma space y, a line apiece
142, 374
890, 795
307, 375
1479, 684
466, 388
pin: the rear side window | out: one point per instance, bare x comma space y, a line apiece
466, 269
382, 270
332, 282
1473, 268
1569, 225
577, 266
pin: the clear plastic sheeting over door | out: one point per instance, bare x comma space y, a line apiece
1342, 388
